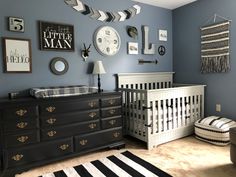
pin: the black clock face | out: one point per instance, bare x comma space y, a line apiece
161, 50
107, 41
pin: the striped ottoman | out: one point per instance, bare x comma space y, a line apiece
214, 130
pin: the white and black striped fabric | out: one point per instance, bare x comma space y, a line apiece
214, 130
215, 51
63, 91
125, 164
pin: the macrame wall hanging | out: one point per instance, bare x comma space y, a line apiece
215, 51
103, 15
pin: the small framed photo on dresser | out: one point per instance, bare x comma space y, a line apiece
17, 56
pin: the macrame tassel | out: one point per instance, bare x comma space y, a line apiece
215, 64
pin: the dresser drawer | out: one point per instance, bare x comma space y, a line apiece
65, 107
63, 119
97, 139
34, 153
20, 112
111, 122
20, 139
112, 111
112, 101
19, 125
69, 130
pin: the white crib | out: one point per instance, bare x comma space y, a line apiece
156, 110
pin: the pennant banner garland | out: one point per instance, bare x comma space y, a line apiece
102, 15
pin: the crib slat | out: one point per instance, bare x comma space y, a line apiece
159, 113
164, 115
174, 113
154, 116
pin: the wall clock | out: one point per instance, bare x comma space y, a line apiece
107, 40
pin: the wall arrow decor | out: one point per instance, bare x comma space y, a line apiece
103, 15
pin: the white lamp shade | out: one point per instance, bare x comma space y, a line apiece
98, 68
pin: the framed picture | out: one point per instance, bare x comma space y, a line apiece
162, 35
16, 24
132, 48
57, 37
17, 56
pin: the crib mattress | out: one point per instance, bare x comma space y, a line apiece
48, 92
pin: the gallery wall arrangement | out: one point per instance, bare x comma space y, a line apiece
63, 42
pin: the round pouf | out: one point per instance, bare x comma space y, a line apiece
214, 130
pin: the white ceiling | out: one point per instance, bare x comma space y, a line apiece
168, 4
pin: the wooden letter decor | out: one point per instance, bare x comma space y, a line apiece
102, 15
55, 36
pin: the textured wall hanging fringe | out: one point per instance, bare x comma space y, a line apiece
215, 53
102, 15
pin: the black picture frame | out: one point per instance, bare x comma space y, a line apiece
17, 55
56, 36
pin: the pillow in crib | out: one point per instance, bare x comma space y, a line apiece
214, 130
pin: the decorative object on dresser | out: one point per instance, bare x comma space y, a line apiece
123, 165
16, 24
59, 66
155, 110
103, 15
36, 132
98, 69
56, 36
17, 56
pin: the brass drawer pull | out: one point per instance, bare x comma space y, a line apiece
22, 125
17, 157
92, 126
51, 121
52, 133
111, 102
64, 147
112, 111
116, 134
92, 114
23, 139
51, 109
21, 112
83, 142
92, 104
112, 122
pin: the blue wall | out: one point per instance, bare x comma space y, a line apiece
187, 21
79, 71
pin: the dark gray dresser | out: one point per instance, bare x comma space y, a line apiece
35, 132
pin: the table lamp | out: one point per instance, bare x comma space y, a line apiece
98, 69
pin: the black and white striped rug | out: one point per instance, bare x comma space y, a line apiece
125, 164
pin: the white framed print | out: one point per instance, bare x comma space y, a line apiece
17, 55
132, 48
162, 35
